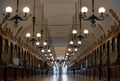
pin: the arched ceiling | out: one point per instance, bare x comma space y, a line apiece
59, 14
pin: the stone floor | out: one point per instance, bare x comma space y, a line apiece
62, 78
54, 78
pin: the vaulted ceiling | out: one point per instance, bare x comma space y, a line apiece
59, 15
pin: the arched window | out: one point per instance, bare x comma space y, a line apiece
18, 52
103, 46
6, 46
15, 51
22, 53
104, 54
113, 44
11, 50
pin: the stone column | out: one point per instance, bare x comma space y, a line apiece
5, 51
113, 52
104, 54
22, 56
118, 49
100, 62
1, 50
15, 51
29, 59
18, 52
11, 52
94, 74
108, 61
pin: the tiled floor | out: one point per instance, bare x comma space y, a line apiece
54, 78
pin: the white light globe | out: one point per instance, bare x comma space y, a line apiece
46, 54
79, 42
37, 43
49, 50
69, 49
8, 9
74, 31
101, 10
73, 53
75, 49
38, 35
52, 57
84, 10
86, 31
43, 51
45, 43
26, 10
50, 54
28, 34
52, 62
71, 42
66, 56
67, 53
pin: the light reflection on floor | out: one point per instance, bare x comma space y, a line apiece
64, 78
59, 78
55, 78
